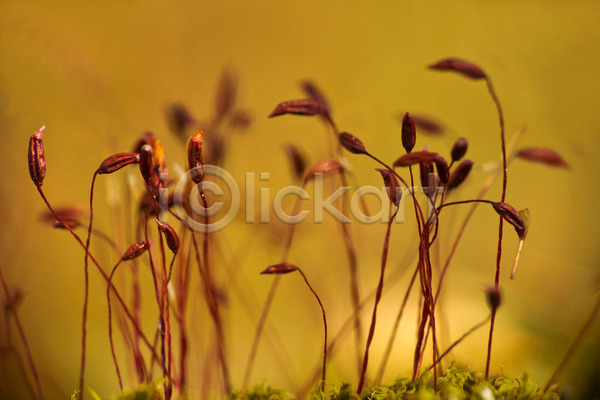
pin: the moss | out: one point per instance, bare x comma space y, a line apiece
457, 383
260, 392
143, 392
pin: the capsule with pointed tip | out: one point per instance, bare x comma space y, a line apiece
279, 269
170, 236
135, 250
195, 161
36, 158
117, 161
409, 132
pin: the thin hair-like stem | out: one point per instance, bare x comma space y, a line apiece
333, 344
110, 336
214, 304
158, 296
86, 294
390, 344
354, 291
104, 275
496, 100
323, 375
486, 186
384, 256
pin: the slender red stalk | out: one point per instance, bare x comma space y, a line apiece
140, 365
384, 256
182, 292
423, 254
333, 344
86, 294
354, 291
161, 321
110, 337
496, 100
214, 303
104, 275
467, 219
164, 304
390, 344
323, 375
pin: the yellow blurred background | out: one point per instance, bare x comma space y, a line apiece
99, 74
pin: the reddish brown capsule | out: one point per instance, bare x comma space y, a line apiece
195, 162
60, 224
146, 163
314, 93
459, 149
66, 212
158, 151
297, 160
170, 236
148, 138
427, 125
544, 156
425, 169
526, 218
392, 187
493, 297
36, 158
442, 169
415, 158
352, 143
117, 161
279, 269
460, 174
512, 216
409, 133
461, 66
325, 167
135, 250
298, 107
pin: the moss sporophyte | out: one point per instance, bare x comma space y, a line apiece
158, 360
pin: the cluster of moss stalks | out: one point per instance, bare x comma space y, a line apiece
457, 383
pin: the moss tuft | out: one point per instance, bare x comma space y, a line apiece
260, 392
457, 383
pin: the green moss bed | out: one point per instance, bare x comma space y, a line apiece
457, 383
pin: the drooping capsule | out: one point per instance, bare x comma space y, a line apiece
351, 143
135, 250
117, 161
279, 269
392, 187
170, 236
